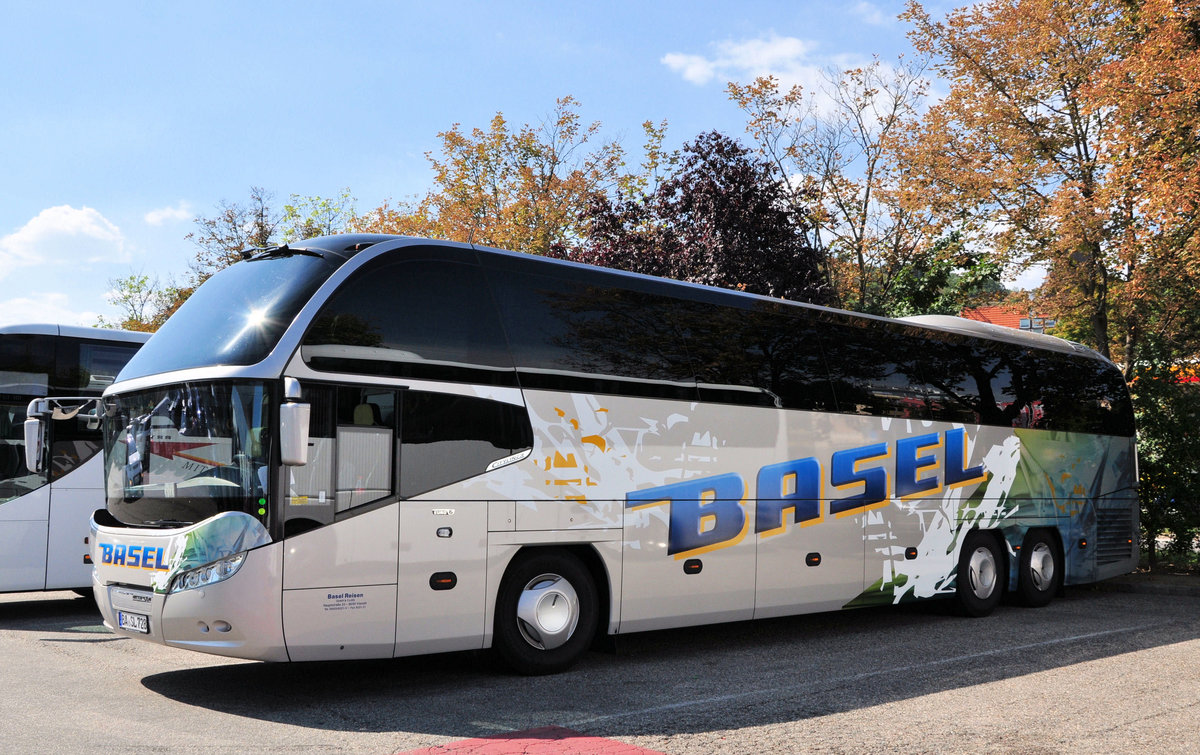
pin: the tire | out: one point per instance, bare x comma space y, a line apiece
1041, 570
979, 583
546, 613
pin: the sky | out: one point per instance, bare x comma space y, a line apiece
122, 122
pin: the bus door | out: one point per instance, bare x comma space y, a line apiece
23, 541
341, 526
76, 491
24, 507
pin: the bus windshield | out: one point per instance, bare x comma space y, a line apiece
237, 316
183, 453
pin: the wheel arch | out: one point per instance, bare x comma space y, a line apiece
589, 555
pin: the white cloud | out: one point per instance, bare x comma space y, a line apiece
693, 68
789, 59
60, 236
44, 307
181, 211
871, 14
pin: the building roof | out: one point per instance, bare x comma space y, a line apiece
1010, 316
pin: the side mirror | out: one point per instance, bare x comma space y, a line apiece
34, 434
293, 433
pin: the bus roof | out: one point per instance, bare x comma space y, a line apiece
75, 331
347, 245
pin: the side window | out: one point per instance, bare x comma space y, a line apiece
758, 357
429, 319
27, 364
874, 368
447, 438
574, 335
88, 367
1085, 395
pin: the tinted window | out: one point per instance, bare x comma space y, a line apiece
427, 319
1082, 395
762, 355
236, 317
88, 367
26, 364
447, 438
576, 335
875, 368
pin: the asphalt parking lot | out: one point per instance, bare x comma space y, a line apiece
1114, 668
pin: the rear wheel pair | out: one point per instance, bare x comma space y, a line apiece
980, 580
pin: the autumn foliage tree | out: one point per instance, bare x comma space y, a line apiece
1069, 138
522, 190
1041, 145
834, 149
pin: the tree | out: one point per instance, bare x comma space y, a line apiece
1028, 150
144, 302
308, 217
1069, 137
1168, 449
234, 228
522, 190
722, 218
834, 151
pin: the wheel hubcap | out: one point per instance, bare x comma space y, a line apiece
547, 611
1041, 567
981, 573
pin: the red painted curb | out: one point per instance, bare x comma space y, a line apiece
546, 740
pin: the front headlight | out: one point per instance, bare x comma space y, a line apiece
209, 574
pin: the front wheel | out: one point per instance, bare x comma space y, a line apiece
1041, 570
546, 613
978, 586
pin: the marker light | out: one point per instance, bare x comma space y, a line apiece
209, 574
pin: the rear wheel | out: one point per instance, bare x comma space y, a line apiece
546, 613
1041, 570
978, 586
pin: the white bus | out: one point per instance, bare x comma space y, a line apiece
374, 446
45, 515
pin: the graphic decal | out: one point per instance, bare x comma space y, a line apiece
223, 535
1018, 484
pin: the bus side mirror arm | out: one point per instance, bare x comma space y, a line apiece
293, 426
35, 434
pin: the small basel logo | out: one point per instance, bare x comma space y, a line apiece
132, 556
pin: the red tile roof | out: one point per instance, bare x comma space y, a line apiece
1008, 315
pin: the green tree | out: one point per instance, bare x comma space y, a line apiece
308, 217
143, 301
221, 238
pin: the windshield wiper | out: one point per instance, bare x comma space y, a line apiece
282, 250
165, 523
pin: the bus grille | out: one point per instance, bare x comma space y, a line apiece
1114, 535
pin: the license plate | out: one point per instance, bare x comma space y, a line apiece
134, 622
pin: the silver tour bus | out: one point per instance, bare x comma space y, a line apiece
46, 506
376, 446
